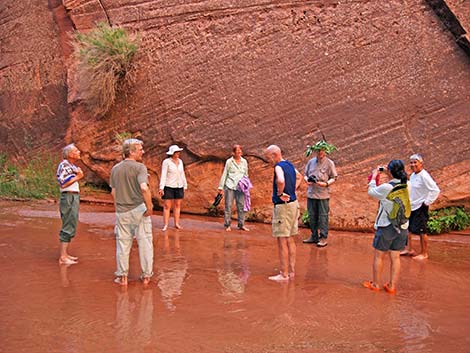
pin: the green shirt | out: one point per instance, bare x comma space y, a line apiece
126, 177
233, 172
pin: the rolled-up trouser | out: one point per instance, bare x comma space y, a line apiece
129, 224
69, 205
318, 216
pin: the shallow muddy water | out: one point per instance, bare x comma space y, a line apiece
210, 292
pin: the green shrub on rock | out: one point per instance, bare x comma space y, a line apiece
104, 57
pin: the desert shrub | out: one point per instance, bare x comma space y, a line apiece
255, 215
304, 219
34, 179
213, 211
448, 219
104, 57
122, 136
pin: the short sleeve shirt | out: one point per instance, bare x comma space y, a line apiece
65, 172
126, 178
323, 170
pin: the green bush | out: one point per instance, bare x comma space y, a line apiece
34, 179
448, 219
304, 219
104, 57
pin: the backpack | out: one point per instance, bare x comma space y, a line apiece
401, 205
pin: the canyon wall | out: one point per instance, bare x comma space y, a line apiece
380, 79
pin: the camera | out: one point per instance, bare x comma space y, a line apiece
312, 179
381, 169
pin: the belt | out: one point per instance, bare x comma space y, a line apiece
283, 203
70, 192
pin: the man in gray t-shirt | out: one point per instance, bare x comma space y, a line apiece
320, 173
133, 202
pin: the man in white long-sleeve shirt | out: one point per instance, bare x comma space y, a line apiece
424, 191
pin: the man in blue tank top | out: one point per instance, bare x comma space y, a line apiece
286, 211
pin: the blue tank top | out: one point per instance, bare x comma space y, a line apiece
289, 187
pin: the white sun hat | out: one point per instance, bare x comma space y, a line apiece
173, 149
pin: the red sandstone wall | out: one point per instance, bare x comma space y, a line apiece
33, 94
380, 79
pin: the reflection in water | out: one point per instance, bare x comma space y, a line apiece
233, 272
64, 278
317, 265
134, 318
172, 269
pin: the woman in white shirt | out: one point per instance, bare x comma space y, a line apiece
172, 186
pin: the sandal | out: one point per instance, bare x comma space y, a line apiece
370, 285
389, 290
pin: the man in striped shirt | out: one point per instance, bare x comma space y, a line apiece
68, 175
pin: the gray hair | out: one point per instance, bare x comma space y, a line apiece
274, 149
416, 157
129, 145
67, 149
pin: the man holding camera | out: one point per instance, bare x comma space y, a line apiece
320, 173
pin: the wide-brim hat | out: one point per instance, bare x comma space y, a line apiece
172, 149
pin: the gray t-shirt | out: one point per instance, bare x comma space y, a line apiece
126, 177
323, 170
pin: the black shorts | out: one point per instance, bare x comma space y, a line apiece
419, 220
172, 193
388, 238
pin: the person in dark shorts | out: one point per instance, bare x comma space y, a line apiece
424, 191
172, 186
388, 239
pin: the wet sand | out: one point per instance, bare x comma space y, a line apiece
210, 292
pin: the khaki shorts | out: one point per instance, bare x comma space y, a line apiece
286, 219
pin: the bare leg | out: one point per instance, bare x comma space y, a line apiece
394, 268
63, 250
283, 255
176, 213
292, 255
424, 245
377, 267
166, 213
409, 248
64, 256
424, 248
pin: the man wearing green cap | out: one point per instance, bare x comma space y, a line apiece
320, 173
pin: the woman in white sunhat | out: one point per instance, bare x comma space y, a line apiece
172, 186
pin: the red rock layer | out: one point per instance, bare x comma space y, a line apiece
380, 80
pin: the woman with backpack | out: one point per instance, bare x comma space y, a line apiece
391, 226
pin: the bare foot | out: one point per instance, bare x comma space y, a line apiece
67, 261
146, 281
177, 226
407, 252
121, 280
73, 258
228, 229
244, 228
279, 278
420, 257
165, 227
